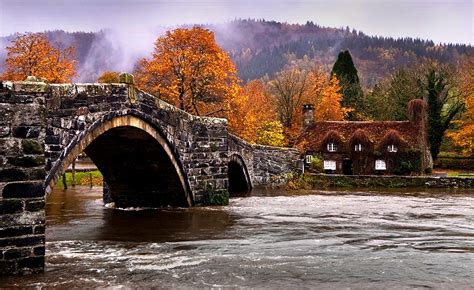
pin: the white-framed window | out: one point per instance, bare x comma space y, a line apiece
358, 147
392, 148
332, 147
380, 164
329, 165
308, 159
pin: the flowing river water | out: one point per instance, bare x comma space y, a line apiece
324, 239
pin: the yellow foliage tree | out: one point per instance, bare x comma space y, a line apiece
108, 77
189, 70
31, 54
250, 109
271, 134
464, 136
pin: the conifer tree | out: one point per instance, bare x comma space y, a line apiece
344, 69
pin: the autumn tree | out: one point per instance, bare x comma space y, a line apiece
464, 135
108, 77
250, 109
271, 133
31, 54
294, 87
346, 72
290, 89
189, 70
328, 102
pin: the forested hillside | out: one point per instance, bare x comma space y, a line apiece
260, 48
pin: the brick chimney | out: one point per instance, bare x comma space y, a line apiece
308, 116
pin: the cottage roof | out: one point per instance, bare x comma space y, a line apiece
313, 136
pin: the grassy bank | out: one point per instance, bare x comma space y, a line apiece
82, 178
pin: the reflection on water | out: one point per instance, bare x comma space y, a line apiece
271, 239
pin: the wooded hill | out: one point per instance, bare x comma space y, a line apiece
260, 48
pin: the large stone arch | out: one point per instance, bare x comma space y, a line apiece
101, 133
238, 175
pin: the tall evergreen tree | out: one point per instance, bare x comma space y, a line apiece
344, 69
444, 103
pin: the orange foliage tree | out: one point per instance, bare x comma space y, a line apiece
464, 136
250, 109
108, 77
294, 87
328, 104
31, 54
189, 70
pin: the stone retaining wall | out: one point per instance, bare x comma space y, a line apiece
337, 180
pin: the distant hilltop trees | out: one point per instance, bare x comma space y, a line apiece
262, 48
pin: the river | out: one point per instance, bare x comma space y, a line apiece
324, 239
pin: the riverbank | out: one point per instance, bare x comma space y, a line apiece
81, 177
315, 181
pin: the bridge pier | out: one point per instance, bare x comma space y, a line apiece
22, 172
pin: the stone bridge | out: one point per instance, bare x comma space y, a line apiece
149, 152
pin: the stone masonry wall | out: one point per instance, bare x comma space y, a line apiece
73, 109
22, 219
265, 164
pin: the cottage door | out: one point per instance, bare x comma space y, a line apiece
347, 167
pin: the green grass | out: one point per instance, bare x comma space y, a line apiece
461, 174
82, 178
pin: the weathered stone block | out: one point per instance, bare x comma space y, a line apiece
39, 251
8, 206
4, 131
34, 205
31, 263
52, 139
24, 241
39, 229
23, 190
27, 161
7, 267
31, 147
16, 231
12, 174
17, 253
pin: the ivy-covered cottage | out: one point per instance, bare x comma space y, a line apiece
368, 147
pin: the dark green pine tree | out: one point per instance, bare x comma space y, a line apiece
346, 73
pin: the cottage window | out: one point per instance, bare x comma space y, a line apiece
380, 165
358, 147
308, 159
332, 147
329, 165
392, 148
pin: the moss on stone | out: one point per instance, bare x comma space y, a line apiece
216, 197
31, 147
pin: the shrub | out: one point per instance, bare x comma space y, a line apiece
316, 163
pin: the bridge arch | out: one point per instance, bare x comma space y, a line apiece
139, 165
238, 175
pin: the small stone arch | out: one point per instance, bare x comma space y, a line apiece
239, 178
113, 122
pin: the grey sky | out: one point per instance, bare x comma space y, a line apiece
441, 21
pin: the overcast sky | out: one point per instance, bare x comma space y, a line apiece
439, 20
